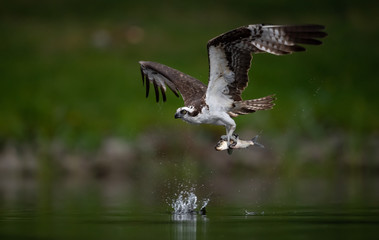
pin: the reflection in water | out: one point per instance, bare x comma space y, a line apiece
185, 215
186, 225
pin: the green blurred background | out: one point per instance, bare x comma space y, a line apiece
73, 115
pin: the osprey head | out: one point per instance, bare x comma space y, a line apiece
184, 112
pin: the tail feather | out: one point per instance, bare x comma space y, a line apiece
253, 105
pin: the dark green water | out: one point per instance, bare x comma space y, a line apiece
219, 223
123, 208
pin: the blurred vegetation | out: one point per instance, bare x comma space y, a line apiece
69, 69
70, 79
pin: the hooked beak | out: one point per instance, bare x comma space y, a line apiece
177, 115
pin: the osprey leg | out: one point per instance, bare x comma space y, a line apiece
229, 133
234, 138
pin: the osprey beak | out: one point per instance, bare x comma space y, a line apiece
177, 115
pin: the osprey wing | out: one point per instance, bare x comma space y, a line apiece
230, 55
161, 76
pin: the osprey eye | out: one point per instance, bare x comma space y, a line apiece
183, 112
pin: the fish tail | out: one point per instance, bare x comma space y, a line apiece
254, 140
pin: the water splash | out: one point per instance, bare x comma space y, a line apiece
247, 213
186, 202
185, 205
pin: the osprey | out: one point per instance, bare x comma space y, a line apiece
229, 56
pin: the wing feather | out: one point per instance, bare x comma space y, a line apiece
156, 91
161, 76
230, 55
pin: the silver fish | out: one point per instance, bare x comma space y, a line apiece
223, 144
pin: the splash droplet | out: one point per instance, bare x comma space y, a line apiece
187, 202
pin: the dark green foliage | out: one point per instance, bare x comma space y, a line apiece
69, 69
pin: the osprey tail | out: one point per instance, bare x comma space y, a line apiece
253, 105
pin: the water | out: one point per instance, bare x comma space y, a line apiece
186, 219
237, 207
186, 203
220, 223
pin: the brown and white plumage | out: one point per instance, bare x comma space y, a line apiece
230, 56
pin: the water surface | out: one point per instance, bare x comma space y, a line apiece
219, 223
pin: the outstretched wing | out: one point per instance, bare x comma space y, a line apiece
230, 55
161, 76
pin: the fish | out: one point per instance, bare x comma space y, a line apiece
222, 144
